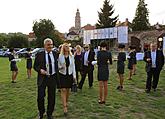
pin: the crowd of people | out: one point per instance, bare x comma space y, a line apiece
66, 67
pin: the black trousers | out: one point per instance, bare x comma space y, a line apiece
153, 73
50, 83
89, 71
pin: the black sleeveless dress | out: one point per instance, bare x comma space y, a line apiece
120, 62
103, 68
13, 66
28, 61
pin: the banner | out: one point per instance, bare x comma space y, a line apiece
164, 45
106, 30
115, 32
87, 37
123, 34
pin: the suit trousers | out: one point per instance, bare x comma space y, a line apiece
89, 71
50, 83
153, 73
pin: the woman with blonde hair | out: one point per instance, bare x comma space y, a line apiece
78, 61
67, 74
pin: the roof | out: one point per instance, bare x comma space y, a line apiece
89, 27
72, 33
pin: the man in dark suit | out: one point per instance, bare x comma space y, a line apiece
154, 62
47, 67
87, 67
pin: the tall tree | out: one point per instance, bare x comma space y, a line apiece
45, 29
105, 16
17, 40
141, 19
3, 40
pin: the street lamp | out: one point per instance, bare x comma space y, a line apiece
160, 39
160, 42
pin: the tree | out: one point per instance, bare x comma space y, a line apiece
141, 19
17, 40
45, 29
105, 16
3, 40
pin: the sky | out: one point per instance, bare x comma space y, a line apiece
19, 15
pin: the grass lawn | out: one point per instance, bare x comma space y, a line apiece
18, 101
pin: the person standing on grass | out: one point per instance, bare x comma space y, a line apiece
29, 62
47, 67
120, 65
78, 61
67, 74
130, 62
134, 61
154, 62
13, 65
87, 68
103, 57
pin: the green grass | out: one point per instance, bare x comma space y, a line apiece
18, 101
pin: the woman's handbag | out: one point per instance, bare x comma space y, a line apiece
74, 87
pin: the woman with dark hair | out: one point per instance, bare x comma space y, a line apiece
120, 65
134, 61
29, 62
13, 66
130, 62
103, 57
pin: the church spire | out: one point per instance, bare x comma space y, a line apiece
78, 20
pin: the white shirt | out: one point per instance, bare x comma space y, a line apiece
153, 57
62, 65
86, 58
47, 62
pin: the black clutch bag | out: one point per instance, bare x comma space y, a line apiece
74, 87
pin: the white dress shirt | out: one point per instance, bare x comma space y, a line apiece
153, 57
86, 58
47, 62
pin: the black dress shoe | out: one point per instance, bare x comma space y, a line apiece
49, 117
65, 114
154, 89
13, 81
147, 91
40, 116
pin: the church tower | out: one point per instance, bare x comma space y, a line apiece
77, 20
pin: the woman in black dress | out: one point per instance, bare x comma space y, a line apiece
120, 65
29, 62
67, 74
134, 61
103, 57
130, 62
13, 66
78, 61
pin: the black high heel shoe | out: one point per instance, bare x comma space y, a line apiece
103, 102
65, 112
99, 101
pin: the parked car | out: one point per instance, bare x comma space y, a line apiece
6, 53
36, 50
22, 52
1, 52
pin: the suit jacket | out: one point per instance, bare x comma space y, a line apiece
71, 68
159, 60
91, 57
40, 63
